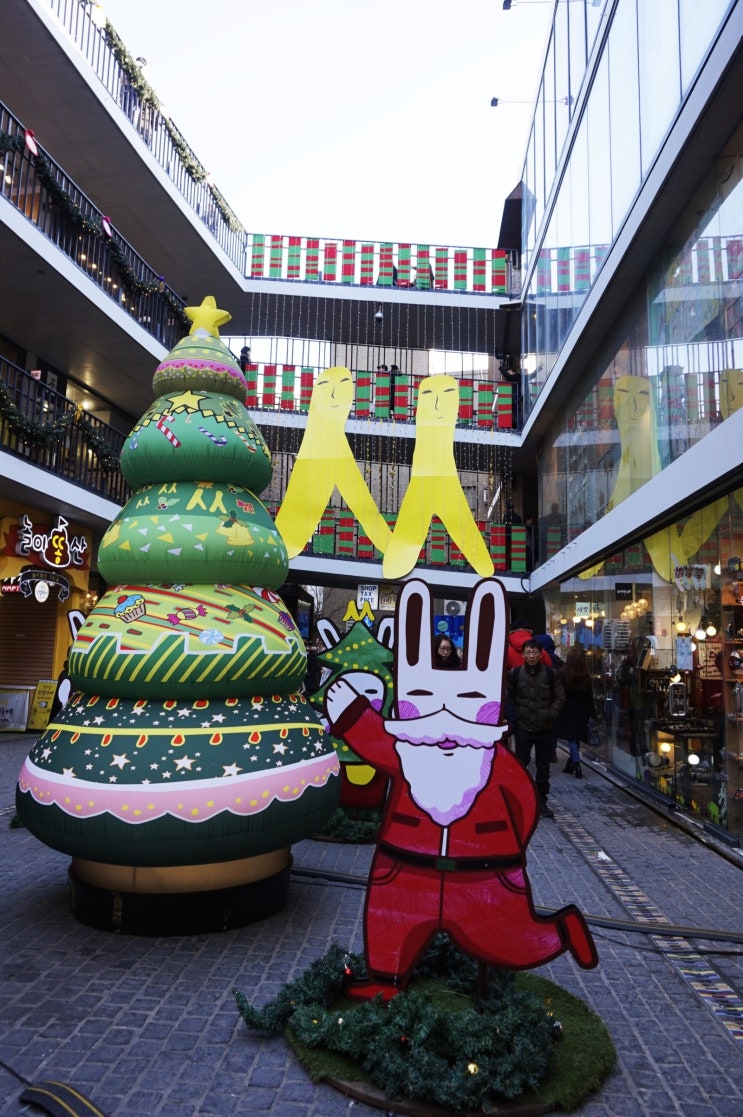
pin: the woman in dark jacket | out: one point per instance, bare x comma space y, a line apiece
579, 708
444, 653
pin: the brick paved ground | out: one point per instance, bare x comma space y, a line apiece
148, 1027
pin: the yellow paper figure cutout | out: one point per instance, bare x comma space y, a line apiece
640, 461
434, 488
325, 461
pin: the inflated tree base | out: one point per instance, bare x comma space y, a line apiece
185, 913
461, 1041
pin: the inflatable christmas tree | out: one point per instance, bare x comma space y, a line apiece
187, 762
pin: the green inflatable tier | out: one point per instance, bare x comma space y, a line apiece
200, 362
160, 641
138, 783
193, 435
199, 531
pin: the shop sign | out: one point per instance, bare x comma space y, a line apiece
53, 547
10, 585
623, 591
692, 576
368, 592
31, 577
387, 600
582, 608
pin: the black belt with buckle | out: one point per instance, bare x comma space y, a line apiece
450, 864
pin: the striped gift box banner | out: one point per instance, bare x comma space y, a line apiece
600, 252
364, 390
485, 399
306, 384
479, 269
437, 543
553, 541
346, 535
257, 255
403, 265
331, 261
312, 260
365, 547
518, 547
499, 272
606, 402
348, 262
251, 379
294, 258
323, 541
503, 406
382, 395
276, 260
544, 271
400, 397
734, 250
367, 265
441, 275
386, 274
496, 540
269, 386
460, 269
423, 266
466, 399
582, 269
456, 558
288, 380
563, 269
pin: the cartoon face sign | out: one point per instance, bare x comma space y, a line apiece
333, 392
472, 694
438, 402
631, 399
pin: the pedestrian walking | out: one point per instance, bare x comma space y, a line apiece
535, 697
579, 707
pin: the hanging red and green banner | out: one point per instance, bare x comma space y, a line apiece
479, 269
441, 275
382, 395
269, 386
485, 400
346, 535
276, 260
348, 264
386, 268
251, 380
518, 548
499, 272
503, 406
367, 265
496, 540
294, 258
460, 269
403, 265
423, 279
466, 400
323, 541
364, 390
331, 261
312, 260
400, 397
306, 384
288, 380
257, 256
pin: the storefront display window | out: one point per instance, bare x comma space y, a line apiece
666, 656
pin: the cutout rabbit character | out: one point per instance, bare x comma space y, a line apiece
461, 809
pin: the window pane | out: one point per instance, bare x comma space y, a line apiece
699, 22
660, 73
625, 111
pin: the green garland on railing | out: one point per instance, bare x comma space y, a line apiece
147, 95
44, 436
132, 284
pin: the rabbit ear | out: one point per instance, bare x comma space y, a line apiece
386, 632
486, 631
413, 637
328, 632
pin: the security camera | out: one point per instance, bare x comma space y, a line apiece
379, 316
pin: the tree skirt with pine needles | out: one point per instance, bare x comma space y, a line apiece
510, 1044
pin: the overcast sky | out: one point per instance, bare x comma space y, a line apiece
341, 119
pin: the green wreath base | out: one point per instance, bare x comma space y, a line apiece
513, 1044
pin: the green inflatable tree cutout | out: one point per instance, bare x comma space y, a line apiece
187, 761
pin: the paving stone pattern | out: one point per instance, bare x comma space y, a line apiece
147, 1027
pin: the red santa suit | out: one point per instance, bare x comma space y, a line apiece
463, 871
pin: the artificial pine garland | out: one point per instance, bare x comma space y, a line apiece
345, 828
497, 1045
44, 436
92, 225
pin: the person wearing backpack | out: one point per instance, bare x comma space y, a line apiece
535, 697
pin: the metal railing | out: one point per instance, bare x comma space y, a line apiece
327, 260
42, 192
43, 427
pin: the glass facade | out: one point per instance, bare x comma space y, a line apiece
649, 56
667, 373
666, 658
